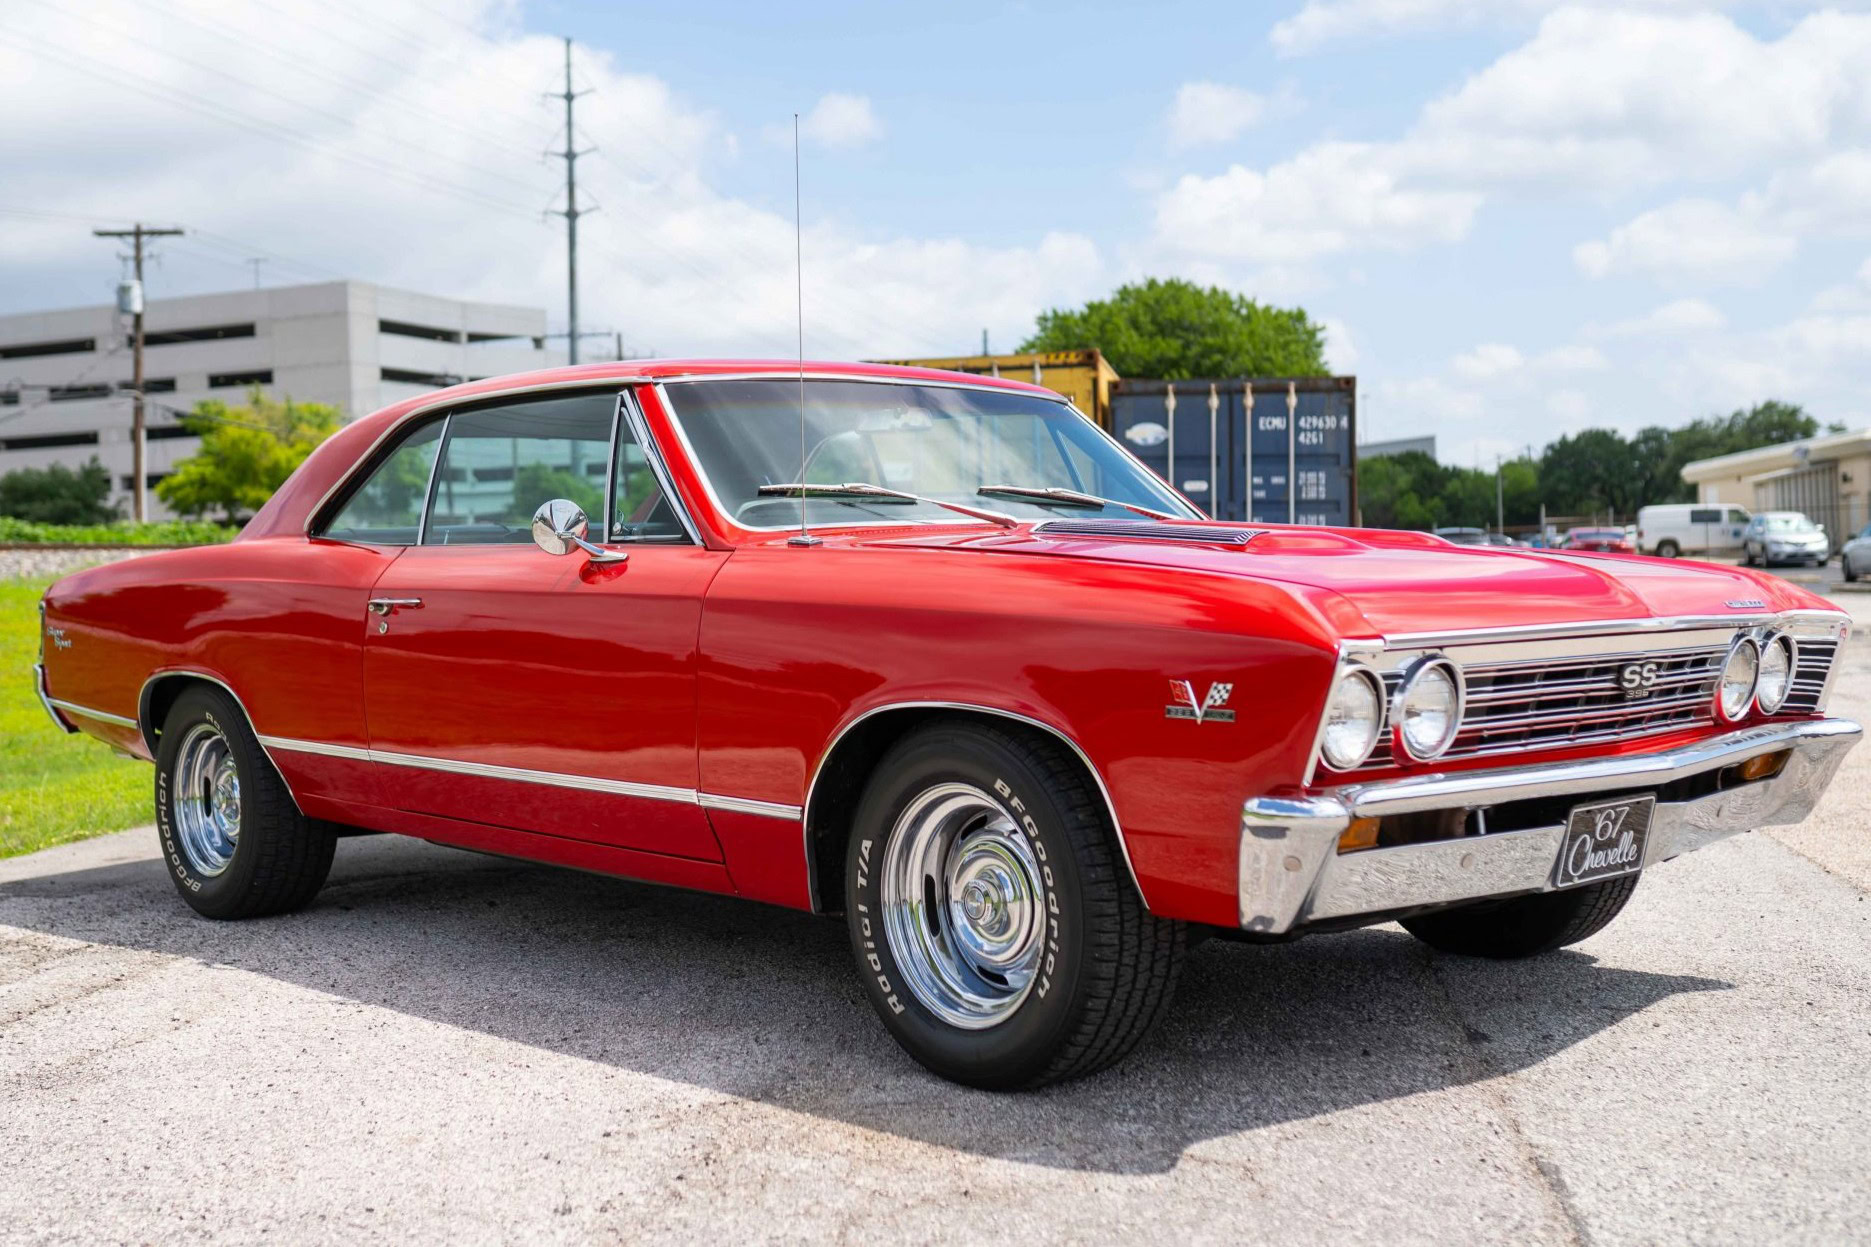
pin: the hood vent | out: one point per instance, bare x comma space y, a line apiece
1193, 533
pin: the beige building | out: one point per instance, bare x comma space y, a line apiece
1827, 478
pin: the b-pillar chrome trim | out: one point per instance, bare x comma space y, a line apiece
1291, 872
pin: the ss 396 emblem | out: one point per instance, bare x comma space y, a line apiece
1637, 679
1183, 704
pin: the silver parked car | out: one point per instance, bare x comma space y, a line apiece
1784, 537
1855, 557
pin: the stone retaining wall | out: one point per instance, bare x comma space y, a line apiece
37, 562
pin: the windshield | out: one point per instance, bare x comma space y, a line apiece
937, 441
1790, 524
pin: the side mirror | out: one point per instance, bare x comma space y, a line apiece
559, 527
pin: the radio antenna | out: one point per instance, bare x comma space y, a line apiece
803, 538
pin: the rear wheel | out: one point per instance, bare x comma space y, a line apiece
1668, 549
996, 929
1845, 565
1527, 925
235, 843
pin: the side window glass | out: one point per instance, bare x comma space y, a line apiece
500, 463
640, 511
387, 509
1710, 515
1736, 516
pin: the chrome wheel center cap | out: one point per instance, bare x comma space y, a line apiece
225, 798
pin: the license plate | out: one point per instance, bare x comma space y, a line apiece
1603, 840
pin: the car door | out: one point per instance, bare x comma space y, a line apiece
506, 686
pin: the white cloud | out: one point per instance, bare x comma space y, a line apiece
1341, 352
839, 120
1494, 360
1320, 22
1691, 238
431, 178
1212, 112
1332, 197
1682, 316
1490, 359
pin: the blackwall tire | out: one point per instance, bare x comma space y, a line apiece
1037, 961
234, 843
1845, 566
1667, 549
1525, 926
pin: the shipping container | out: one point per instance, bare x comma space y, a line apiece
1260, 450
1083, 377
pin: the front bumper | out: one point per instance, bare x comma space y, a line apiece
1292, 875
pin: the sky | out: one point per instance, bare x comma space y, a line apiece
1515, 219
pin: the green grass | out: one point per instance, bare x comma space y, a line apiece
167, 533
53, 787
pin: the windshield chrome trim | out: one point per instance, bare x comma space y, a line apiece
653, 452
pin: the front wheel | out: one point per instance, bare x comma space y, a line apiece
1845, 565
996, 928
1667, 549
234, 841
1527, 925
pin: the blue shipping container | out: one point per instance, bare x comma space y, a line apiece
1256, 465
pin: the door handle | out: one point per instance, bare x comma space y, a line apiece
383, 606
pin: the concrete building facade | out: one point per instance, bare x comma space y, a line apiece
65, 391
1827, 478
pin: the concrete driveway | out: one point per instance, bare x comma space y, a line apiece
452, 1048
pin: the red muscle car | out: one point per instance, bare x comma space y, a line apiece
934, 653
1602, 540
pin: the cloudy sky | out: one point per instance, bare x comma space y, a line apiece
1517, 218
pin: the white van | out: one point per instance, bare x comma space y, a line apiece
1679, 528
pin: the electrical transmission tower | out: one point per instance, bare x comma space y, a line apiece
131, 301
571, 212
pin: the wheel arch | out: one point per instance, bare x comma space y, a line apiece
159, 695
852, 757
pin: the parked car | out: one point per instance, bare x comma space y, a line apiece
933, 653
1503, 540
1464, 536
1784, 537
1855, 557
1673, 529
1603, 540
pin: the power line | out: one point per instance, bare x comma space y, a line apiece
140, 486
571, 211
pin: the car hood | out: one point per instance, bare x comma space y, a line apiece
1402, 582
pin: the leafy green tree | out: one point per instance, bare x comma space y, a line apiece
58, 495
535, 483
1176, 329
246, 453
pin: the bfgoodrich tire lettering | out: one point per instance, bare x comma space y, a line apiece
276, 859
1525, 926
1105, 967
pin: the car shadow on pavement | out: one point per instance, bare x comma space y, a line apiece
759, 1002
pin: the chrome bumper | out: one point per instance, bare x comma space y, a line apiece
45, 698
1291, 872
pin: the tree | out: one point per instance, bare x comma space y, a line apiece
58, 495
1175, 329
246, 453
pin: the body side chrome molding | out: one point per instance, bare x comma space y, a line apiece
812, 883
45, 699
148, 730
85, 712
523, 775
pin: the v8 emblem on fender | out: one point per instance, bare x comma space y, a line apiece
1207, 710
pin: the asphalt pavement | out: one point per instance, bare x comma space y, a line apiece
447, 1047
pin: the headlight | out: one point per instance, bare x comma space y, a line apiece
1776, 676
1352, 718
1429, 709
1739, 675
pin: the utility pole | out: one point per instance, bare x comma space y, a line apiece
572, 211
984, 349
134, 305
1500, 511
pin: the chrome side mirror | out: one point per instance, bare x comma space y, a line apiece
559, 527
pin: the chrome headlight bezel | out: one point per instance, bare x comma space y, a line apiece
1415, 679
1781, 642
1742, 646
1374, 684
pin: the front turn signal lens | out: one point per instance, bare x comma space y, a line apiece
1362, 834
1766, 766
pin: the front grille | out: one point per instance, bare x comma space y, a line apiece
1553, 703
1814, 664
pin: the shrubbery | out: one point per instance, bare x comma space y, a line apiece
171, 533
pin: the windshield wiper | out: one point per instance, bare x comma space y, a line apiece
877, 493
1070, 498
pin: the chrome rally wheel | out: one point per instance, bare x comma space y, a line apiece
995, 925
207, 800
963, 905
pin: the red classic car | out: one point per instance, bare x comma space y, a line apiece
1602, 540
934, 653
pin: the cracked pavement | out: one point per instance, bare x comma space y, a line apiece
452, 1047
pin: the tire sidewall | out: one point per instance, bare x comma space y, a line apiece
1017, 1049
1669, 549
207, 893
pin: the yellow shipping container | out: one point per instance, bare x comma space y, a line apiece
1080, 376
